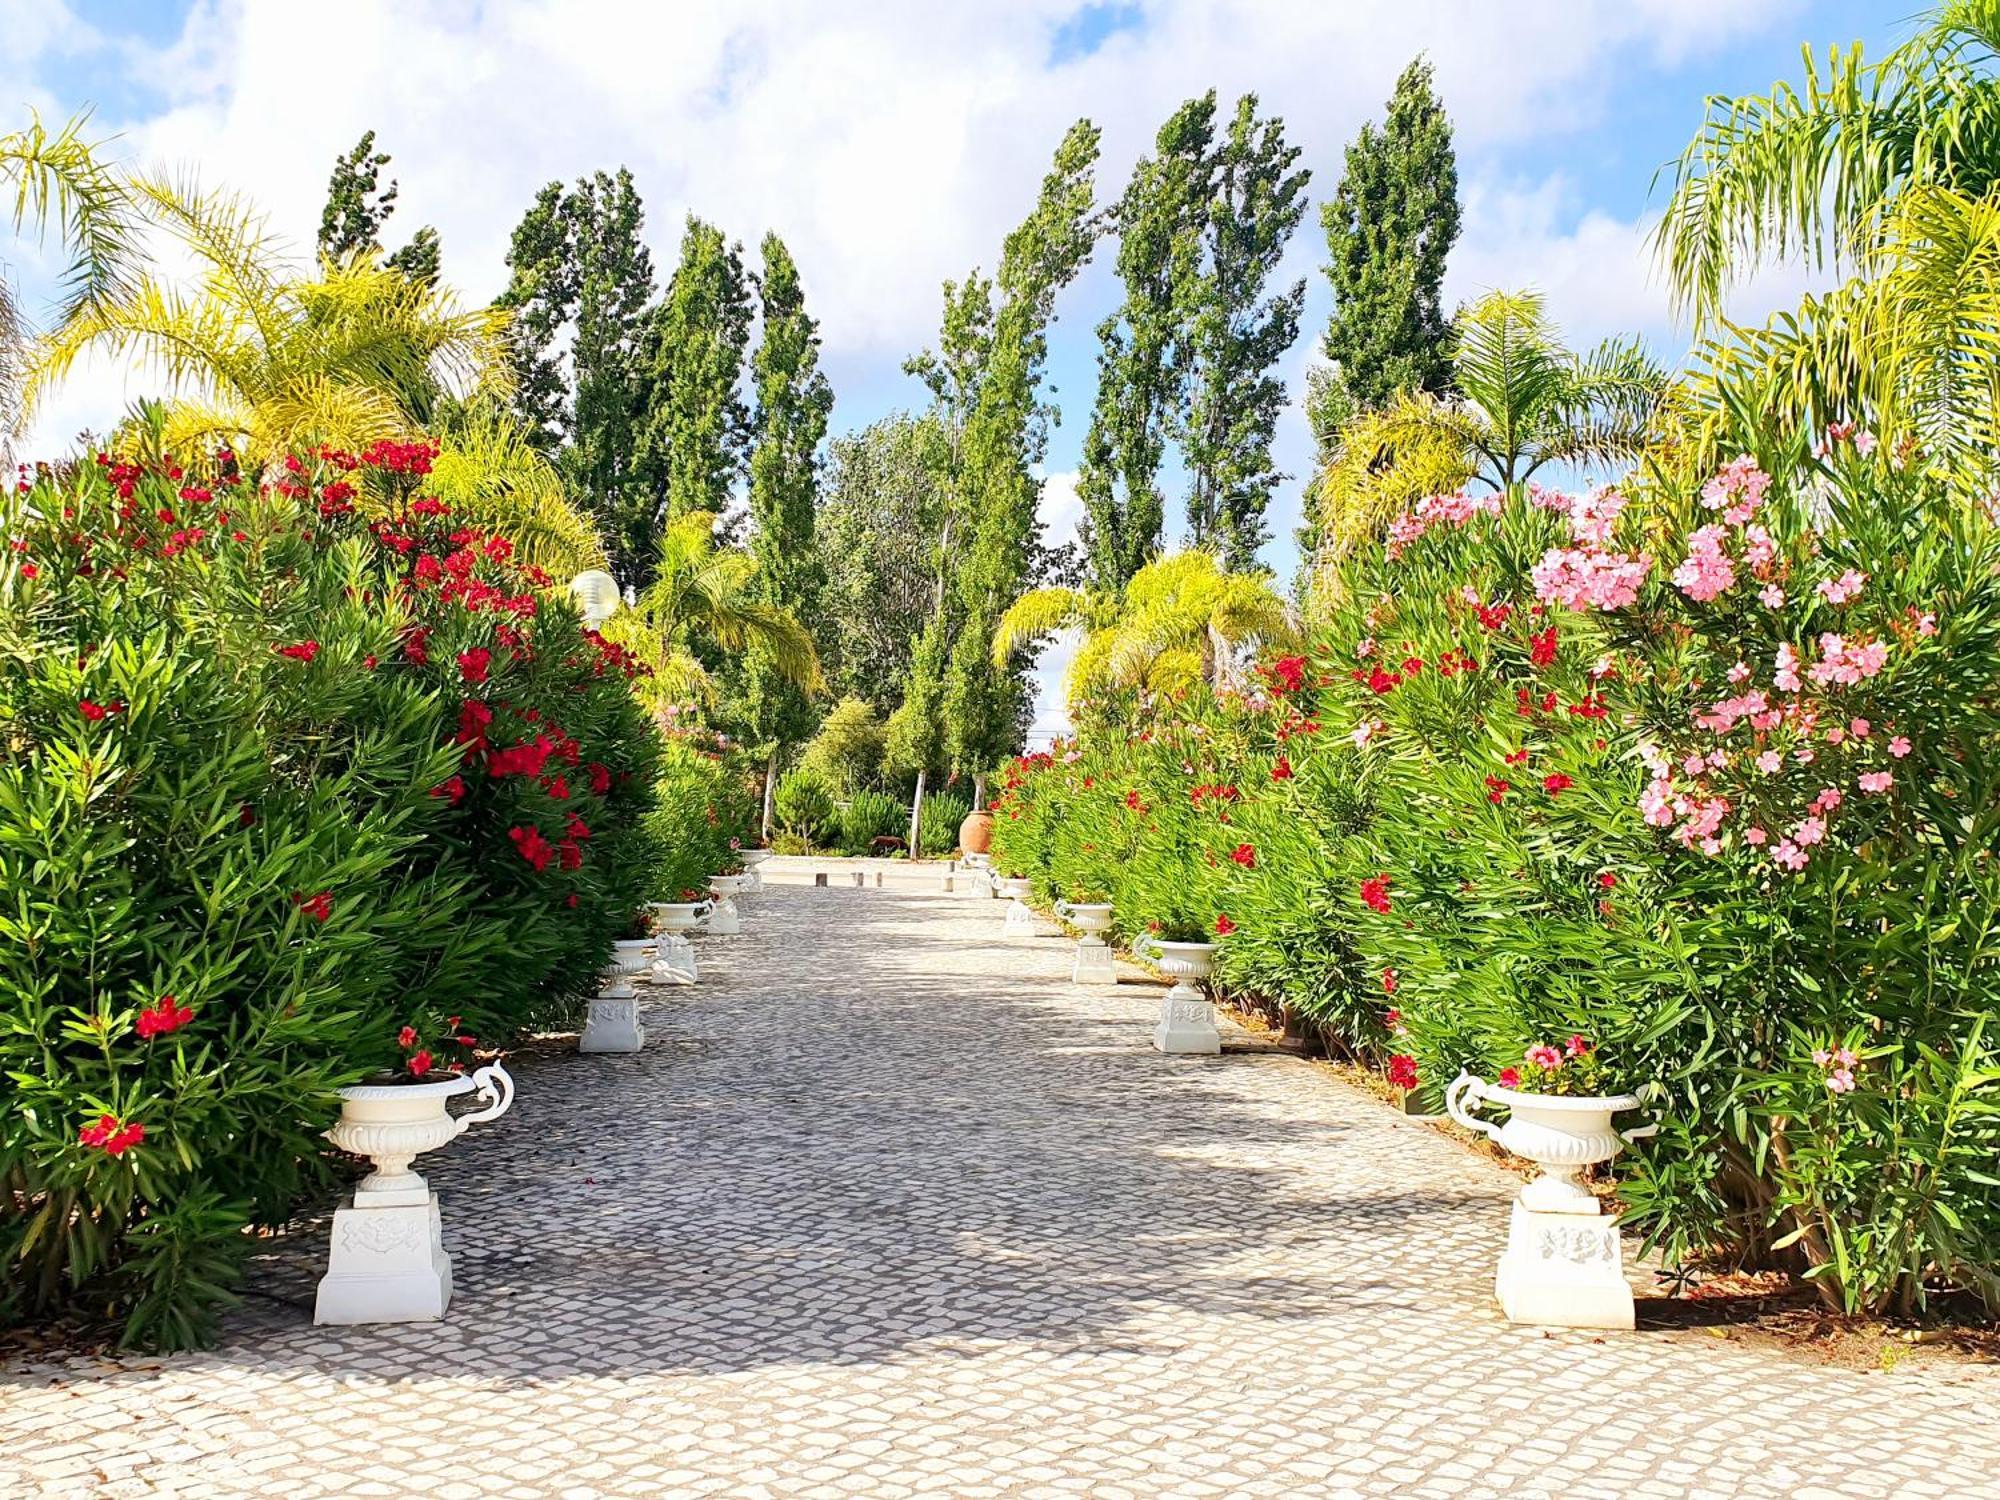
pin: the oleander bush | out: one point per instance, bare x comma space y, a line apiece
275, 783
705, 810
1708, 781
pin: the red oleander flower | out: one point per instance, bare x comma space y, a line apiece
92, 712
452, 787
1403, 1071
557, 788
29, 570
1496, 788
1132, 801
473, 664
577, 828
420, 1064
1542, 647
535, 849
600, 778
318, 906
474, 718
1223, 926
1577, 1046
299, 651
571, 854
1375, 893
407, 1038
1517, 757
1607, 880
163, 1017
111, 1137
1282, 771
1288, 673
246, 815
1389, 981
1245, 855
1556, 782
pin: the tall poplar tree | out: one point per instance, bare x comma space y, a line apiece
1005, 434
579, 265
694, 429
793, 404
357, 205
1390, 226
1161, 221
1236, 336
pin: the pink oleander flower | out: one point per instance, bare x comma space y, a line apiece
1860, 728
1789, 855
1656, 803
1845, 662
1760, 549
1583, 579
1740, 672
1769, 762
1708, 571
1864, 443
1808, 832
1899, 747
1786, 674
1771, 596
1754, 836
1841, 1080
1876, 781
1737, 489
1828, 799
1839, 590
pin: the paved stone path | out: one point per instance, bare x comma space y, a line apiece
886, 1209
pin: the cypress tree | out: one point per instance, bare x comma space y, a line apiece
357, 206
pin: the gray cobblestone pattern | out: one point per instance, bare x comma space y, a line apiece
887, 1209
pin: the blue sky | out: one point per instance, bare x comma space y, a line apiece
894, 142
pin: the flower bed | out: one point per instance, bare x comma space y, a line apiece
1710, 779
280, 787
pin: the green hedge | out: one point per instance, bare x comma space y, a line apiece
274, 785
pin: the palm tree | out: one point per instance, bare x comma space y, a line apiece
493, 478
1181, 620
60, 179
1522, 402
267, 359
1811, 172
703, 593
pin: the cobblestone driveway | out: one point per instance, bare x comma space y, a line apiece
885, 1209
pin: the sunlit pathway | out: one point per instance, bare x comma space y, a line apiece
885, 1208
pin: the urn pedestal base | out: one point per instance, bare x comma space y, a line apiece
1187, 1024
1564, 1270
1095, 963
388, 1263
1020, 920
676, 964
725, 920
614, 1023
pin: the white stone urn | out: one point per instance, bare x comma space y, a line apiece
675, 920
983, 883
1564, 1264
752, 858
387, 1261
723, 918
1094, 961
613, 1022
1187, 1017
1020, 920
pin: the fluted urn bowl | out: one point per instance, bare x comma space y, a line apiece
1560, 1134
1184, 961
1088, 917
1017, 886
631, 955
395, 1123
677, 917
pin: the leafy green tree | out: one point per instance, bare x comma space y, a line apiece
579, 265
793, 404
881, 531
694, 429
1237, 335
1143, 355
915, 744
1004, 436
1390, 226
357, 206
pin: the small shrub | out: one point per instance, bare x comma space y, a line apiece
846, 754
869, 816
937, 825
805, 809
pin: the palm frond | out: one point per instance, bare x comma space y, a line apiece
61, 179
1037, 613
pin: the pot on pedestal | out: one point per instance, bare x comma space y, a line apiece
723, 918
1094, 963
752, 858
613, 1023
1564, 1264
387, 1261
1020, 920
1187, 1016
675, 920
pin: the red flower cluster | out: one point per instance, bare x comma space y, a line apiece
1542, 647
318, 906
1282, 771
1389, 981
302, 651
1287, 673
165, 1015
1223, 926
535, 849
473, 664
1497, 788
111, 1137
1403, 1071
1245, 855
1375, 893
1556, 782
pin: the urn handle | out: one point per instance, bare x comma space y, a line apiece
1141, 943
1462, 1098
496, 1086
1062, 907
1640, 1132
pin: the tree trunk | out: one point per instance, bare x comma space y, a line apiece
770, 791
917, 818
978, 790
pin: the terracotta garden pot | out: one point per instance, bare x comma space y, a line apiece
975, 834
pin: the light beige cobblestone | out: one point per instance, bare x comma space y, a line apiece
887, 1208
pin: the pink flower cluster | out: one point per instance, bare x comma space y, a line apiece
1846, 662
1838, 1064
1583, 578
1737, 489
1438, 510
1708, 572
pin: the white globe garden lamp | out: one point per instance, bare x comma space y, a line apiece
596, 595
